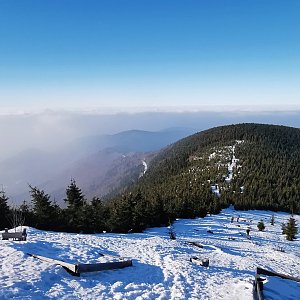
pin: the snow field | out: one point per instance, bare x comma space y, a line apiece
161, 267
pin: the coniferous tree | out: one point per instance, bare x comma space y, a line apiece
272, 219
4, 210
43, 210
74, 196
27, 212
141, 212
76, 212
261, 225
291, 229
121, 217
97, 214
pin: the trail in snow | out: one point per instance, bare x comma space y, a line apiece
233, 163
161, 267
145, 169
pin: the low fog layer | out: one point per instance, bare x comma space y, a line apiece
48, 148
51, 130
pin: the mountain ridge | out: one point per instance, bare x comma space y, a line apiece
268, 176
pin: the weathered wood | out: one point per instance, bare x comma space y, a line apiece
271, 273
196, 244
70, 267
20, 236
258, 287
258, 284
113, 256
76, 269
83, 268
200, 262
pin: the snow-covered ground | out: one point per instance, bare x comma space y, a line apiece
161, 267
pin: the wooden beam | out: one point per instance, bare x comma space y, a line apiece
258, 284
271, 273
196, 244
76, 269
65, 265
83, 268
258, 287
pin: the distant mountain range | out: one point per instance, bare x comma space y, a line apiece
97, 163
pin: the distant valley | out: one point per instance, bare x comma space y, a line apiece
97, 163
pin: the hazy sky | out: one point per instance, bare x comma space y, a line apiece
148, 53
74, 54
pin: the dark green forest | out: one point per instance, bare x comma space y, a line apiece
179, 183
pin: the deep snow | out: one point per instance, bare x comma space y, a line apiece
161, 267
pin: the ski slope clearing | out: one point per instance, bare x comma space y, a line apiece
161, 267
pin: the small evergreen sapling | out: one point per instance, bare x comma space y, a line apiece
261, 226
272, 220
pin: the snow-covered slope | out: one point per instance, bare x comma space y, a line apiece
161, 267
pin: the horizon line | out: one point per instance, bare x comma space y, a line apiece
113, 110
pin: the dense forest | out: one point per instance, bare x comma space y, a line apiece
251, 166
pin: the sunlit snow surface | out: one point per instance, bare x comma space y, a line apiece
161, 267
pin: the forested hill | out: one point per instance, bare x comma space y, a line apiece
248, 165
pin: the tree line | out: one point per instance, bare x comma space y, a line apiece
130, 212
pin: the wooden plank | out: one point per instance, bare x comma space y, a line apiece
76, 269
258, 287
271, 273
83, 268
70, 267
196, 244
258, 284
113, 256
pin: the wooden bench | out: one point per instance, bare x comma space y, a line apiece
17, 236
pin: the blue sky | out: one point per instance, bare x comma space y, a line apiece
149, 53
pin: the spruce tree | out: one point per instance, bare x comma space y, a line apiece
95, 212
291, 229
42, 208
74, 198
76, 212
272, 219
261, 225
122, 212
4, 210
